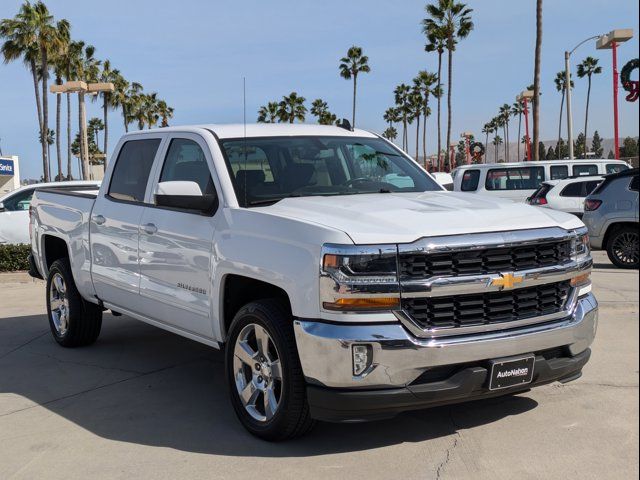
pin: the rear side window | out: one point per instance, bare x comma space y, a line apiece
616, 167
559, 172
585, 170
573, 190
633, 186
470, 180
520, 178
133, 166
185, 160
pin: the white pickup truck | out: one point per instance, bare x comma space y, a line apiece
342, 281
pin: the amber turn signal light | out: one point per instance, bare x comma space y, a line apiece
580, 279
376, 303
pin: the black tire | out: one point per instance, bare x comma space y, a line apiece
82, 319
291, 418
622, 247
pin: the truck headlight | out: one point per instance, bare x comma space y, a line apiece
580, 245
359, 278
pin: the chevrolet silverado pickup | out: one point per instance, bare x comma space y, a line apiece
342, 282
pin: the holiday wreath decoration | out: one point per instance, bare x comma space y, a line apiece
631, 86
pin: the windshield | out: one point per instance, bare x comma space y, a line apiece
267, 169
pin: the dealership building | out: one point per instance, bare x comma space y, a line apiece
9, 174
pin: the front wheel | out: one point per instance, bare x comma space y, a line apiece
267, 388
74, 322
622, 248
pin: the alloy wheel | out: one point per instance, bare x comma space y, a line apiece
625, 248
257, 372
59, 304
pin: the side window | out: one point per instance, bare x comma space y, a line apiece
520, 178
633, 186
590, 186
559, 172
19, 201
616, 167
585, 170
185, 160
470, 180
573, 190
131, 173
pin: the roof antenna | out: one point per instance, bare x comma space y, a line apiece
244, 133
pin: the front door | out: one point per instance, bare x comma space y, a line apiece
115, 221
176, 245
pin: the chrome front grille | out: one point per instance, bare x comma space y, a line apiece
494, 308
482, 260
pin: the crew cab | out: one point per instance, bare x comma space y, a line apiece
342, 282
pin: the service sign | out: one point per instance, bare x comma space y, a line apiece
6, 167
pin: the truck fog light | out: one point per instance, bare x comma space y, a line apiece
362, 356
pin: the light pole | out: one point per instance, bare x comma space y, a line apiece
611, 41
524, 98
607, 41
82, 88
567, 87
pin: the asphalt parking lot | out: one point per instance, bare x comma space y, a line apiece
143, 403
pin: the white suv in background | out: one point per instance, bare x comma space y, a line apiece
14, 208
565, 195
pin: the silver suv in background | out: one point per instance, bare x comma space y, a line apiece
611, 215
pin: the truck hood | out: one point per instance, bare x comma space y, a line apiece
406, 217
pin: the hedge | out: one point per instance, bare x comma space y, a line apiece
14, 257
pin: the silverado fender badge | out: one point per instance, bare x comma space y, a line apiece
506, 280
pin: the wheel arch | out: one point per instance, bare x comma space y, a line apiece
612, 227
238, 290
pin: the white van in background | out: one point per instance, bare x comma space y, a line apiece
518, 181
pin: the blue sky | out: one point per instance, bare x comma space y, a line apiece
194, 53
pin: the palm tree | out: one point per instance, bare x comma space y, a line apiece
487, 128
107, 75
401, 94
320, 109
390, 134
391, 116
268, 113
518, 109
165, 112
416, 107
560, 82
51, 39
436, 42
425, 82
453, 20
350, 66
505, 113
292, 108
536, 82
59, 64
21, 41
96, 125
128, 98
87, 69
497, 141
588, 67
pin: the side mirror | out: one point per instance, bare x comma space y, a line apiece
1, 207
185, 195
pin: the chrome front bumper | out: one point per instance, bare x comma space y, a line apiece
399, 357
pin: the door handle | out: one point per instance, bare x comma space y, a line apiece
149, 228
99, 219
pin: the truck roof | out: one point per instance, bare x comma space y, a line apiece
264, 130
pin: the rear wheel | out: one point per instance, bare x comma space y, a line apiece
74, 322
622, 247
267, 388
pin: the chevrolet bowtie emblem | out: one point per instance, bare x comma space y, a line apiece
506, 280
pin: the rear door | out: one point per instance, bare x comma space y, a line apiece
176, 245
115, 221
